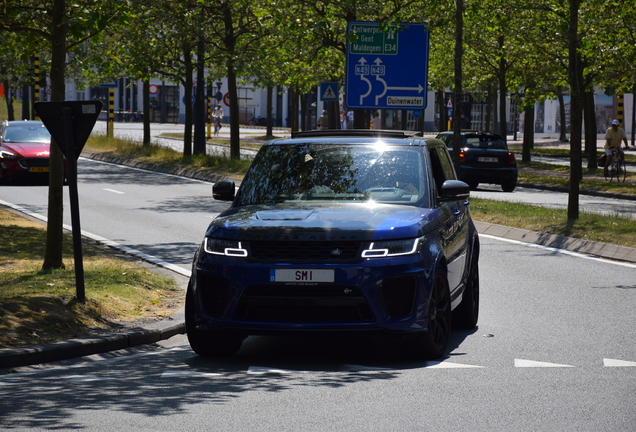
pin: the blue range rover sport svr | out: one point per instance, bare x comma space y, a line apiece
349, 230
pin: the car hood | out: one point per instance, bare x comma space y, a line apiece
362, 222
29, 149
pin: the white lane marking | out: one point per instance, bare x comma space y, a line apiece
114, 191
618, 363
95, 237
448, 365
563, 251
261, 370
89, 378
520, 363
187, 373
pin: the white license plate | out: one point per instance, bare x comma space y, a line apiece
301, 275
487, 159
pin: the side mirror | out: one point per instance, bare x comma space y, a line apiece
223, 190
454, 190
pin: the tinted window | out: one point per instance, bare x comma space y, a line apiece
330, 172
26, 134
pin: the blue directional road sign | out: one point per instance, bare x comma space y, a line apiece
386, 68
329, 91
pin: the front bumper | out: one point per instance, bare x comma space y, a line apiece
376, 294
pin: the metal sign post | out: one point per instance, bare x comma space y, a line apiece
70, 124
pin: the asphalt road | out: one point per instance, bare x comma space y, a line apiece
554, 349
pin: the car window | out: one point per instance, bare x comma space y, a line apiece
488, 143
339, 172
26, 134
441, 166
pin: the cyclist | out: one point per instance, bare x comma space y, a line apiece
217, 115
613, 138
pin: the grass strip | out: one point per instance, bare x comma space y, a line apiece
39, 306
594, 227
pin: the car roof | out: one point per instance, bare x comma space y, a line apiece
357, 136
474, 133
23, 123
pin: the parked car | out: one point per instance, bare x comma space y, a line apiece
24, 149
484, 158
347, 230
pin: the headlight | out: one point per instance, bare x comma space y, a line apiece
224, 247
392, 248
4, 154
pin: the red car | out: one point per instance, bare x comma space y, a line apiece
24, 149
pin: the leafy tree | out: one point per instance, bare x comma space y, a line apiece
63, 24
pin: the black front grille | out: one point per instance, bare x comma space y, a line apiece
214, 293
34, 162
398, 295
303, 304
305, 251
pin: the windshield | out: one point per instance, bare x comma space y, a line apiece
27, 134
334, 173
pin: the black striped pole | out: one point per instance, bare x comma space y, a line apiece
110, 132
36, 80
621, 109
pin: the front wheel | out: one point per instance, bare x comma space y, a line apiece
465, 316
207, 343
432, 344
621, 171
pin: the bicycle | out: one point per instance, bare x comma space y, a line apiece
217, 125
617, 168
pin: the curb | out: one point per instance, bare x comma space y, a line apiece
587, 247
63, 350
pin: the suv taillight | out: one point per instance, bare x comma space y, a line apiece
462, 156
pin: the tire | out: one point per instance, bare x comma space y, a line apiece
622, 171
207, 343
432, 344
472, 184
508, 185
466, 315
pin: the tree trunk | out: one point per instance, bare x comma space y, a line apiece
146, 102
55, 212
293, 96
187, 97
200, 109
503, 91
269, 131
457, 102
589, 114
575, 112
487, 119
26, 101
8, 94
441, 109
528, 133
235, 139
562, 129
